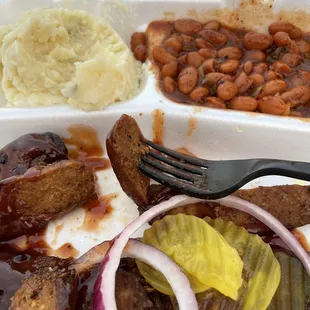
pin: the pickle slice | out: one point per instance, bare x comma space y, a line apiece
293, 292
199, 249
261, 272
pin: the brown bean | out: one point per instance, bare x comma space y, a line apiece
137, 38
187, 80
141, 53
295, 33
272, 75
255, 40
254, 55
227, 91
257, 79
243, 83
213, 36
281, 39
243, 103
207, 53
230, 52
271, 105
248, 67
299, 95
187, 26
260, 68
215, 102
212, 25
199, 94
303, 45
188, 42
284, 26
272, 88
201, 43
229, 66
209, 65
291, 60
170, 84
280, 25
301, 78
162, 56
212, 78
170, 69
194, 59
281, 68
174, 44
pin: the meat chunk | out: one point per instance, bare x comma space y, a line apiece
29, 202
53, 286
125, 145
31, 150
130, 294
150, 299
290, 204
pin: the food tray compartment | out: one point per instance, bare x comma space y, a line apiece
129, 16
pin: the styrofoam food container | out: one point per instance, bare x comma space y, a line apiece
213, 134
211, 138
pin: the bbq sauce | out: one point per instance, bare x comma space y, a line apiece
18, 259
96, 210
84, 145
31, 150
158, 126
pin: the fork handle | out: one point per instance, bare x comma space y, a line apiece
292, 169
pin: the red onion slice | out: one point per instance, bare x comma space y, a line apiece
270, 221
104, 298
105, 285
151, 256
177, 279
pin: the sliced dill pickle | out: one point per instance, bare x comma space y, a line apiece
261, 271
200, 250
293, 292
261, 274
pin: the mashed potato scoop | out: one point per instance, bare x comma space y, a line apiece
58, 56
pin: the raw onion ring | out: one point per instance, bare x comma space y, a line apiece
158, 260
270, 221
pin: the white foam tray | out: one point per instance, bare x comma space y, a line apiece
217, 134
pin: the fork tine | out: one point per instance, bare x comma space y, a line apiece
172, 182
176, 163
186, 158
173, 171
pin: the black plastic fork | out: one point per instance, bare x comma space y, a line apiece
210, 179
